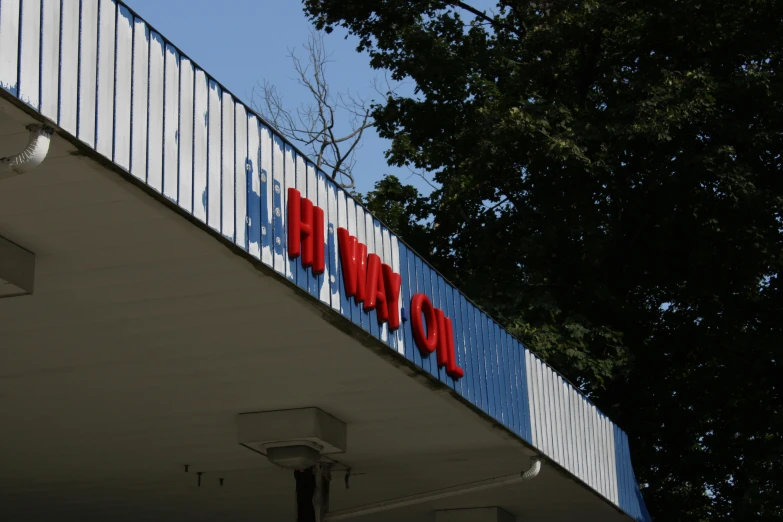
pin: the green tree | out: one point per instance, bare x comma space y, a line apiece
611, 190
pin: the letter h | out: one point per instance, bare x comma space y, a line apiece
305, 231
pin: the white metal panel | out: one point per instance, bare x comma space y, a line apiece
104, 134
50, 59
564, 423
610, 442
350, 215
9, 44
342, 222
277, 187
200, 145
123, 85
88, 72
381, 251
240, 172
334, 290
214, 182
69, 67
573, 398
532, 398
325, 292
185, 195
604, 484
542, 433
267, 200
604, 423
171, 123
361, 236
289, 182
591, 453
549, 404
400, 337
594, 438
312, 195
227, 167
254, 155
155, 115
29, 59
139, 95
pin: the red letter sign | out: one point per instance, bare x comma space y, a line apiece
368, 280
420, 304
376, 290
440, 334
353, 257
305, 232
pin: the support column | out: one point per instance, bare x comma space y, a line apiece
312, 493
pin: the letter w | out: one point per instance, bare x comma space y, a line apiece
353, 258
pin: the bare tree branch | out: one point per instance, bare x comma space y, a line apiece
314, 125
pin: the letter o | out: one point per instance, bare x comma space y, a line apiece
421, 305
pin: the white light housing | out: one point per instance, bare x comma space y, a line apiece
292, 438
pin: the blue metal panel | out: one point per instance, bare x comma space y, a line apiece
493, 379
511, 383
622, 479
485, 358
405, 326
430, 289
437, 302
478, 348
498, 377
452, 302
421, 288
468, 390
504, 376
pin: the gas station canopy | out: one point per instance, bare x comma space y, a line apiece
190, 309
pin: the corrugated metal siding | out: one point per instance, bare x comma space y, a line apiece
104, 76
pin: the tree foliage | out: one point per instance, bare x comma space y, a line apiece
611, 190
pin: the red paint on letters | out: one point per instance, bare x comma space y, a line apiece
353, 258
305, 232
439, 334
368, 280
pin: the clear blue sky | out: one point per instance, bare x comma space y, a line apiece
242, 42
